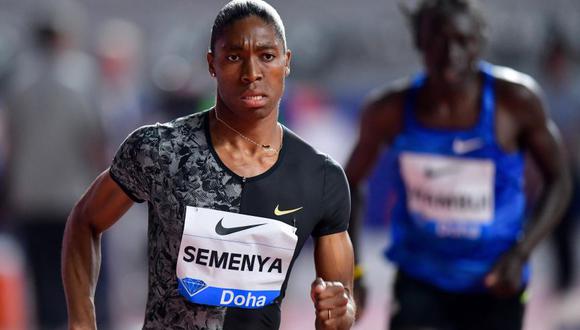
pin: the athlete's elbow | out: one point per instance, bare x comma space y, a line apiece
560, 189
565, 188
81, 220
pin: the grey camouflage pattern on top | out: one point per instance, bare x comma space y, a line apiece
171, 166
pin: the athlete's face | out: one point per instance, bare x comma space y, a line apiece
450, 45
250, 66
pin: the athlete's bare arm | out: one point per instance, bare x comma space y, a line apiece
537, 135
381, 121
331, 291
99, 208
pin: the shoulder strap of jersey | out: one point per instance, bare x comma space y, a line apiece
487, 119
409, 120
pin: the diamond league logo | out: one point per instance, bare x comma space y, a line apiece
193, 286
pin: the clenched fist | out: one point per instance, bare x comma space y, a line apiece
333, 303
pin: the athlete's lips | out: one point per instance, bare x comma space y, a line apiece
254, 100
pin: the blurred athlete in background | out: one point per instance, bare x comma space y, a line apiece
455, 137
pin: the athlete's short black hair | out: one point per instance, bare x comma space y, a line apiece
443, 7
239, 9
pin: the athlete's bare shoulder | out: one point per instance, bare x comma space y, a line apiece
388, 96
520, 97
519, 94
383, 109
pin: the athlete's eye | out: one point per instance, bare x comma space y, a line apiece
268, 57
233, 58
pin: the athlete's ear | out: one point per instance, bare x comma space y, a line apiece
288, 59
209, 56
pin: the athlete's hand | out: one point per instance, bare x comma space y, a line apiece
334, 307
360, 297
505, 279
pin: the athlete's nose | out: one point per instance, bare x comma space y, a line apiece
251, 71
454, 50
454, 54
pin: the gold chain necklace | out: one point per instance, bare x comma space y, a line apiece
266, 147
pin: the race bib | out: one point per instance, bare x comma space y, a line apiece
457, 194
232, 259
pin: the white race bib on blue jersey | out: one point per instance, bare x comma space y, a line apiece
456, 194
232, 259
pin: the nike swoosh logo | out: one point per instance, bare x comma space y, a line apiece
279, 212
465, 146
221, 230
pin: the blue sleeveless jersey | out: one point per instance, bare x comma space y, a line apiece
454, 198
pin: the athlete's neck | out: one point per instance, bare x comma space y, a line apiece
258, 125
454, 97
241, 154
231, 138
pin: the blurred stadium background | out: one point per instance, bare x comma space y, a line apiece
142, 61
